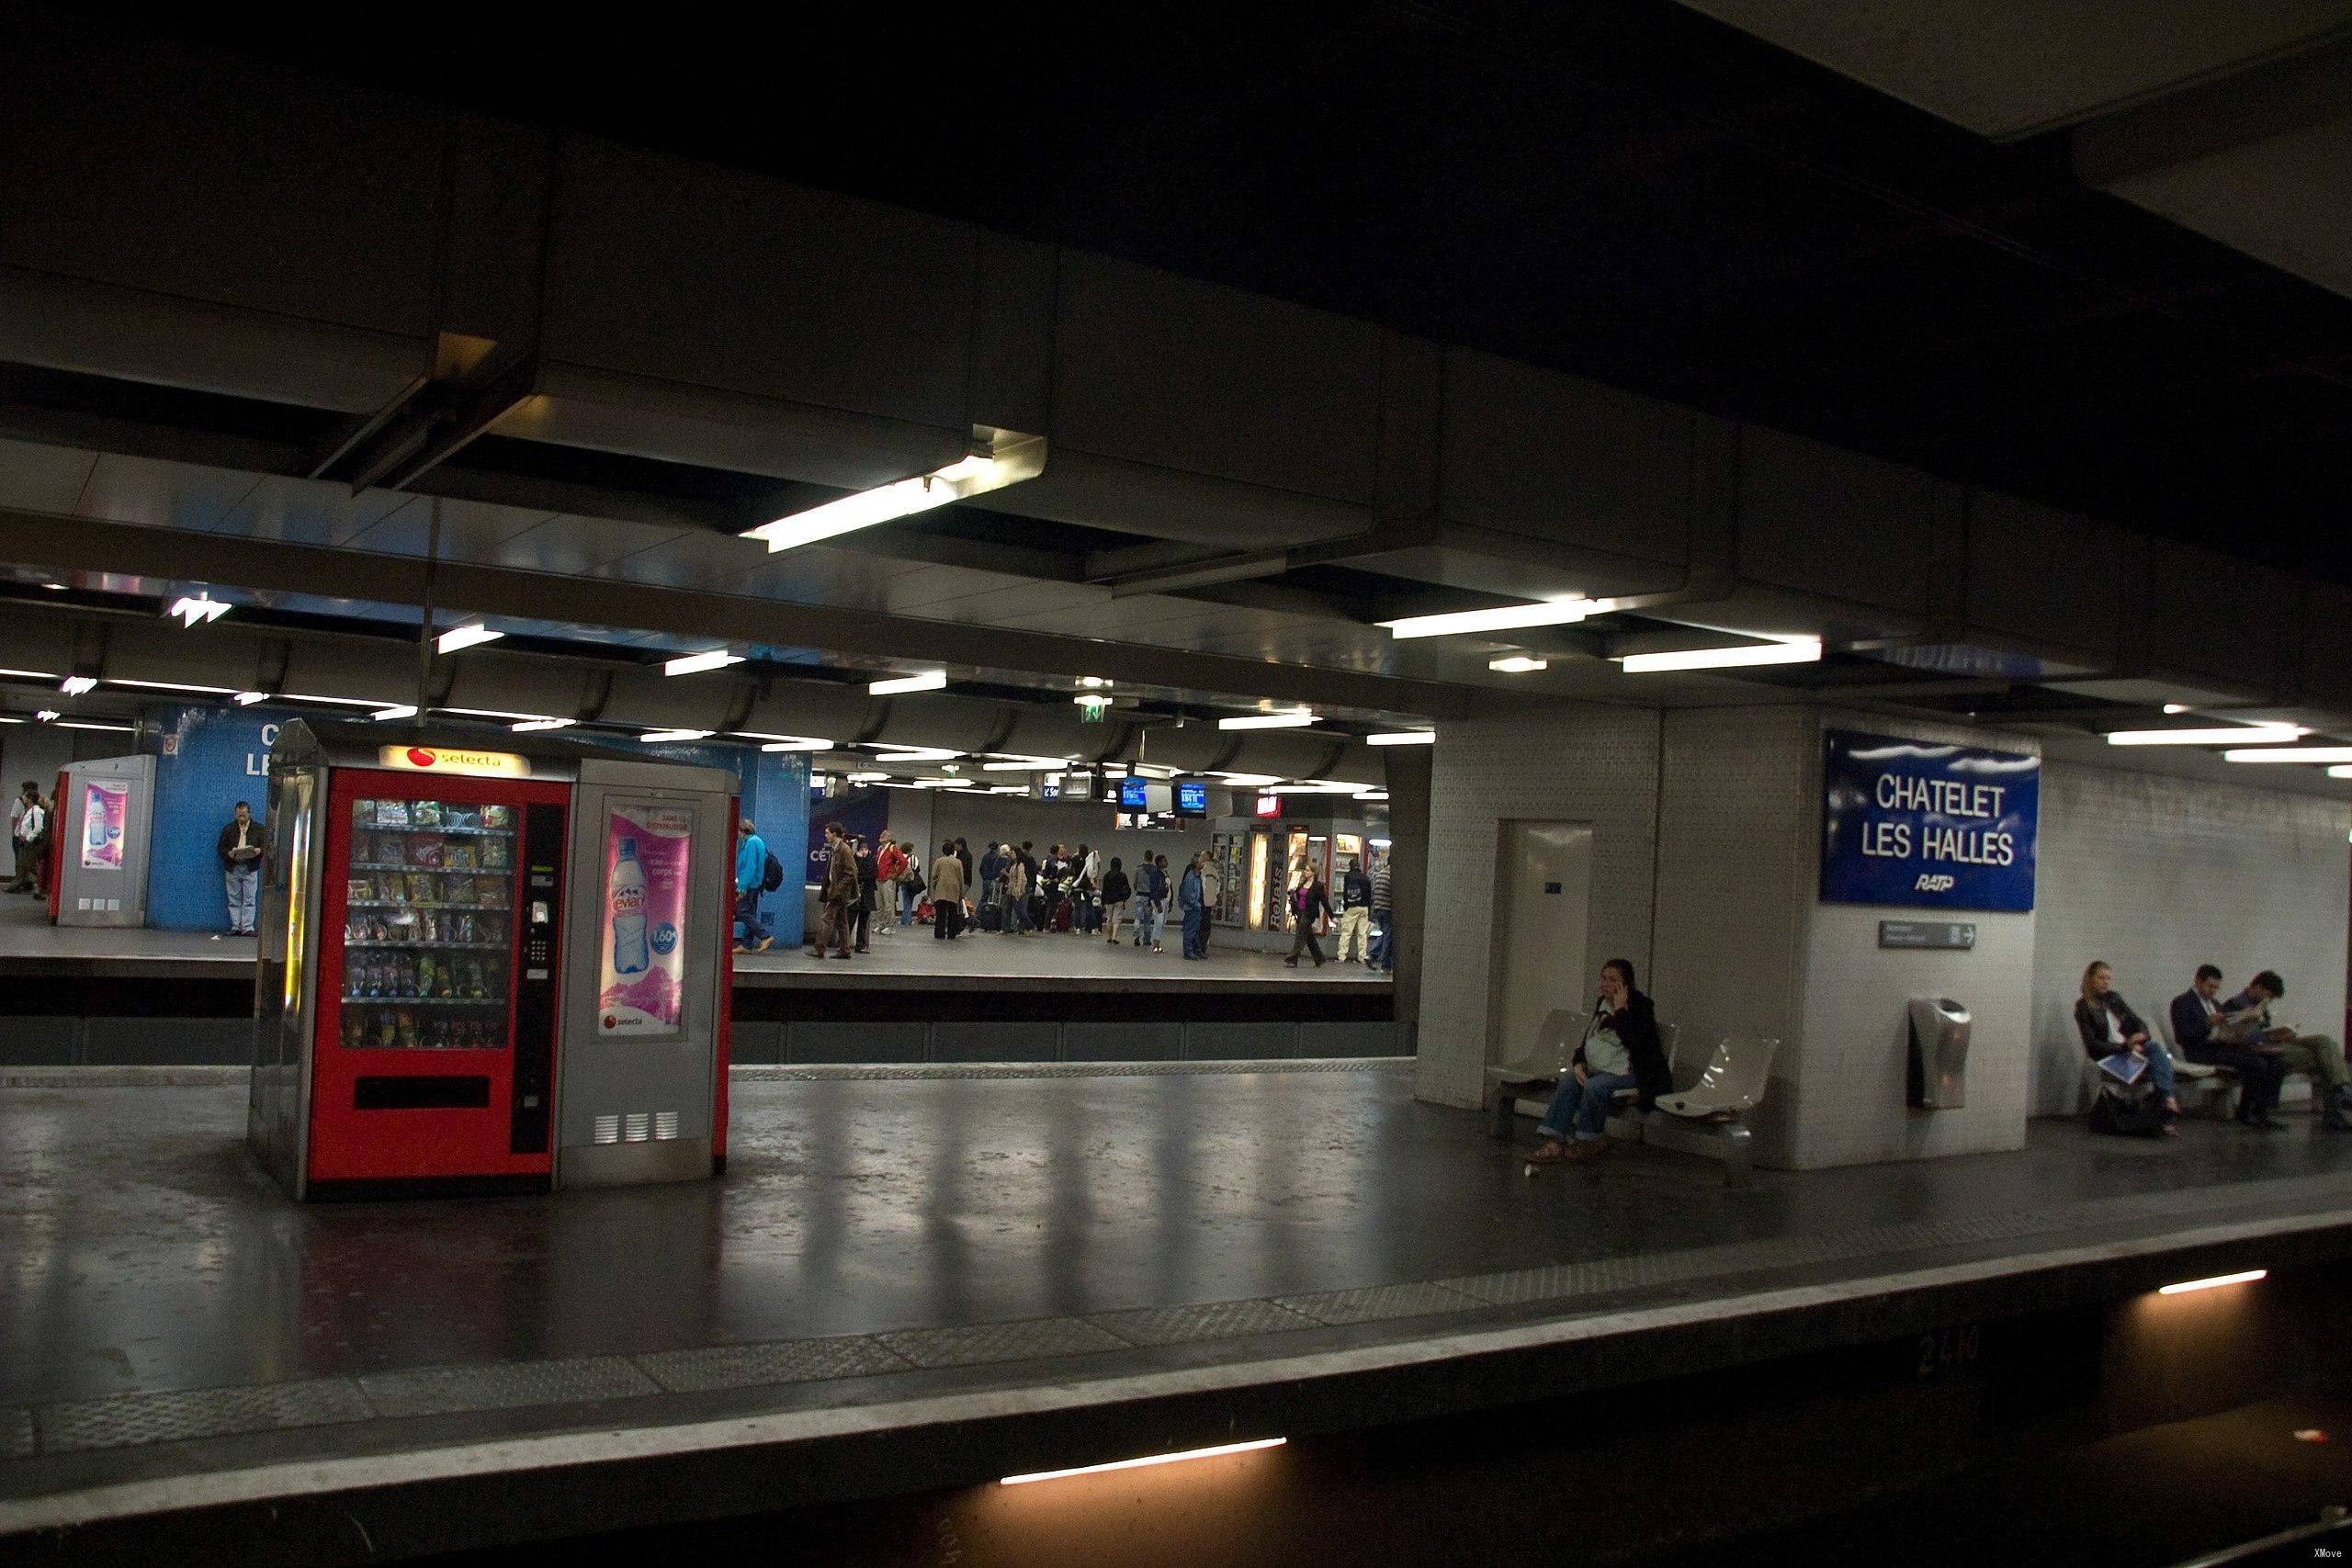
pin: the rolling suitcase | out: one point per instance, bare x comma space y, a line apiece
1062, 915
991, 917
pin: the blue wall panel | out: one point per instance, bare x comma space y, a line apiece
209, 759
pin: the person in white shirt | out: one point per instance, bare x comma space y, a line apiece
27, 823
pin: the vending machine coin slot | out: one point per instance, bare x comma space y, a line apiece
534, 995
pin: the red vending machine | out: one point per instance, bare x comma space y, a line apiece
437, 933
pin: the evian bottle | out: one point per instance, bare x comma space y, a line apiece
629, 954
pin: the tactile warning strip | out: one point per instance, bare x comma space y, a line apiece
748, 1366
124, 1419
977, 1343
1204, 1320
1374, 1303
442, 1390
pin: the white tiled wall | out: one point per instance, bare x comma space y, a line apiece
1738, 851
2157, 874
1595, 765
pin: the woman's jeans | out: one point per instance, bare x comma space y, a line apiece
1583, 1105
2160, 1071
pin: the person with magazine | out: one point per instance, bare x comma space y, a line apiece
2110, 1029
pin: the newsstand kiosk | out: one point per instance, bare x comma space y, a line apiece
487, 969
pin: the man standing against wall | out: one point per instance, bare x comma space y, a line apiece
240, 852
1384, 909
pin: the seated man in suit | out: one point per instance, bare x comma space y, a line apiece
2320, 1055
2200, 1030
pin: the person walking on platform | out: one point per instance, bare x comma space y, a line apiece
240, 853
947, 893
26, 825
1308, 903
1355, 913
1195, 910
751, 881
1116, 891
838, 894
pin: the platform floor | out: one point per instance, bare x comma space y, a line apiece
30, 945
163, 1309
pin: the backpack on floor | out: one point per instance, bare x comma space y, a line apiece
2121, 1113
991, 917
1062, 915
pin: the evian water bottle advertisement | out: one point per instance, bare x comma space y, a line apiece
105, 811
646, 852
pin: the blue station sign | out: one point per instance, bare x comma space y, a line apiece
1924, 826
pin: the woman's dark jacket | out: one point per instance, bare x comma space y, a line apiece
2090, 1023
1637, 1025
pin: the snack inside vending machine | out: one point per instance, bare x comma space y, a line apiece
489, 969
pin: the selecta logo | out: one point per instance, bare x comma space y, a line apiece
421, 757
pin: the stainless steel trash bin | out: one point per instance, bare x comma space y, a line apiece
1939, 1053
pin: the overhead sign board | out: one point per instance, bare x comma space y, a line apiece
1927, 826
453, 760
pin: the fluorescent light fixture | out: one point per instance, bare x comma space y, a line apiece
2176, 707
531, 725
6, 719
247, 699
1026, 765
696, 664
1153, 770
74, 685
1221, 1448
1092, 699
893, 752
1291, 718
398, 710
865, 778
54, 587
1501, 618
2236, 734
1251, 781
26, 675
929, 681
337, 702
2340, 772
783, 742
2244, 1278
1372, 795
942, 784
655, 737
1403, 738
1518, 664
457, 637
1324, 786
2291, 754
46, 714
1778, 650
198, 611
1008, 789
112, 729
170, 687
1095, 683
490, 712
1010, 459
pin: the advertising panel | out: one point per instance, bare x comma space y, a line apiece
1914, 823
106, 815
648, 850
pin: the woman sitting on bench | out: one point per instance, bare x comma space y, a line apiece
2110, 1028
1620, 1049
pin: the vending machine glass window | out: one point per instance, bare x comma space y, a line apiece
428, 925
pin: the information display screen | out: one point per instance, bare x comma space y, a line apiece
1135, 793
1191, 799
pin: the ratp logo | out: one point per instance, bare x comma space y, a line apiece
1944, 883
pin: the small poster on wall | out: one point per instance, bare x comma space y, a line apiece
105, 815
648, 851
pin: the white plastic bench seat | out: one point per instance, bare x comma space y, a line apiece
1734, 1081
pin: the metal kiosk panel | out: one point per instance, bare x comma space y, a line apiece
645, 945
106, 805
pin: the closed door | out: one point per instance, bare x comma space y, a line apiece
1542, 887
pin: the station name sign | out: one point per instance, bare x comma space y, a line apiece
453, 760
1921, 825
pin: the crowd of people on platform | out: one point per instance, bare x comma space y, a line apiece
2238, 1035
886, 887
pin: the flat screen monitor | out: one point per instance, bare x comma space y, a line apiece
1133, 793
1191, 799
